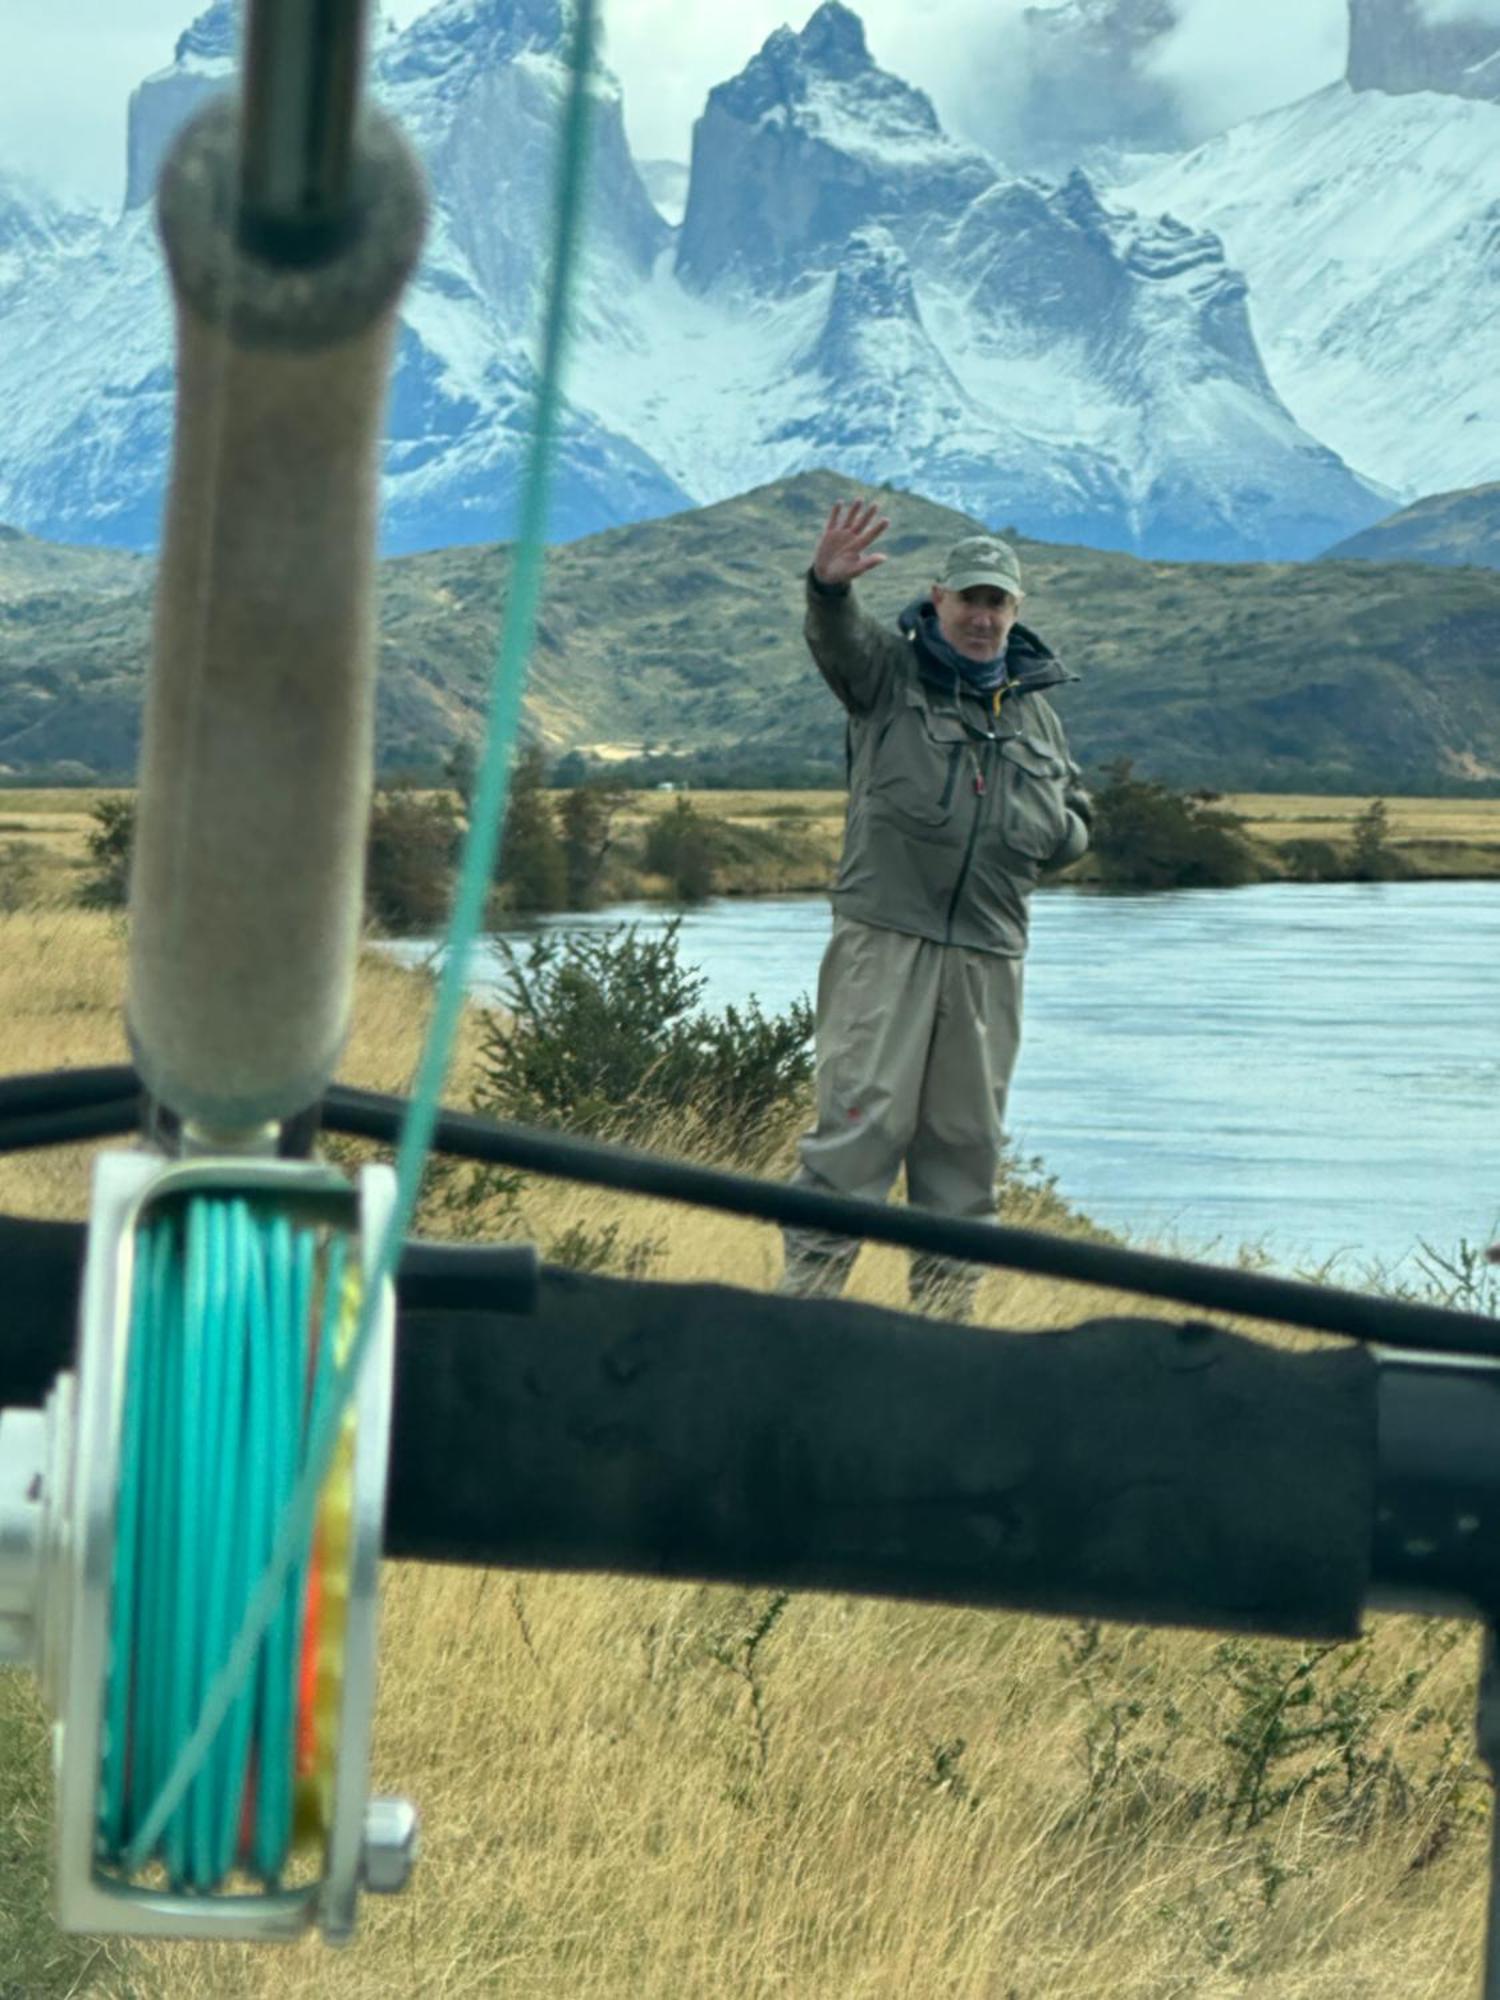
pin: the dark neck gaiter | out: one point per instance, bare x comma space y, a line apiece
982, 676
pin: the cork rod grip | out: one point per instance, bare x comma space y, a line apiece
256, 761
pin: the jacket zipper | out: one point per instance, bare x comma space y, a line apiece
980, 794
953, 756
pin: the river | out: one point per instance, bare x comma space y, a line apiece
1308, 1070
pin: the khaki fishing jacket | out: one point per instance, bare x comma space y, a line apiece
956, 800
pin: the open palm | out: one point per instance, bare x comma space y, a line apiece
843, 549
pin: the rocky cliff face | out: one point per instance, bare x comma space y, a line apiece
1407, 45
203, 64
807, 145
478, 85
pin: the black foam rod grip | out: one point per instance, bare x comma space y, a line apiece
1124, 1469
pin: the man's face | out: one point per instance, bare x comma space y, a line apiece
975, 622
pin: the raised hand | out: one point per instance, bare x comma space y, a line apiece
842, 551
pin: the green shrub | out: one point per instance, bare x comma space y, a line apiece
532, 871
604, 1034
1312, 860
410, 852
681, 846
588, 813
108, 844
1371, 856
1147, 836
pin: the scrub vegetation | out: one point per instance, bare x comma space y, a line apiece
634, 1788
584, 847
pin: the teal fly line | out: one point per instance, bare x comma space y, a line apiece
227, 1368
190, 1749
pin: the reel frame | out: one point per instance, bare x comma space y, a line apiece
58, 1543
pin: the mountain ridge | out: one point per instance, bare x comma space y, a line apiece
1453, 530
685, 634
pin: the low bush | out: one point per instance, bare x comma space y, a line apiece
413, 843
1312, 860
108, 844
680, 845
1146, 836
603, 1034
1371, 856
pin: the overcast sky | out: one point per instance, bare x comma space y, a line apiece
67, 67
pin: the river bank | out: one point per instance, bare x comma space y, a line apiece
787, 843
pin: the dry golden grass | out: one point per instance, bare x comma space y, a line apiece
1434, 837
626, 1795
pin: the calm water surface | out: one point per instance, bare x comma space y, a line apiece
1314, 1069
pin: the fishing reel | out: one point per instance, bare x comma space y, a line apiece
211, 1718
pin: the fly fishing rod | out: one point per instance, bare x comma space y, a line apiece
271, 1382
215, 1463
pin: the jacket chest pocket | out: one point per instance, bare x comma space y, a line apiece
1034, 813
917, 765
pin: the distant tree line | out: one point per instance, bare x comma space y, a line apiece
560, 847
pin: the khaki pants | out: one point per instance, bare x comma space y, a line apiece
915, 1046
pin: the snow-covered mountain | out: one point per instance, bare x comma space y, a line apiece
86, 357
806, 145
1368, 227
37, 232
852, 286
849, 285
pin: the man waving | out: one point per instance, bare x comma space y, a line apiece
961, 791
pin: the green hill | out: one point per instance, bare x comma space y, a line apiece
1453, 529
683, 636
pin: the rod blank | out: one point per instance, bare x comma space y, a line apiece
304, 60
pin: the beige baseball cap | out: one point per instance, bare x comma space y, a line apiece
982, 559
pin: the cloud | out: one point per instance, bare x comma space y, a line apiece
1225, 61
1468, 13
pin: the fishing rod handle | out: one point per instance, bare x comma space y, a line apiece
259, 717
1121, 1469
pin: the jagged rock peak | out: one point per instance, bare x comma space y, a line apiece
873, 281
834, 39
213, 37
790, 67
1405, 45
810, 142
462, 33
1078, 199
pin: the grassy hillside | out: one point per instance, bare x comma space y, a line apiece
1450, 528
683, 635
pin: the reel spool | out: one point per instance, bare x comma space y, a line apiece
137, 1517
